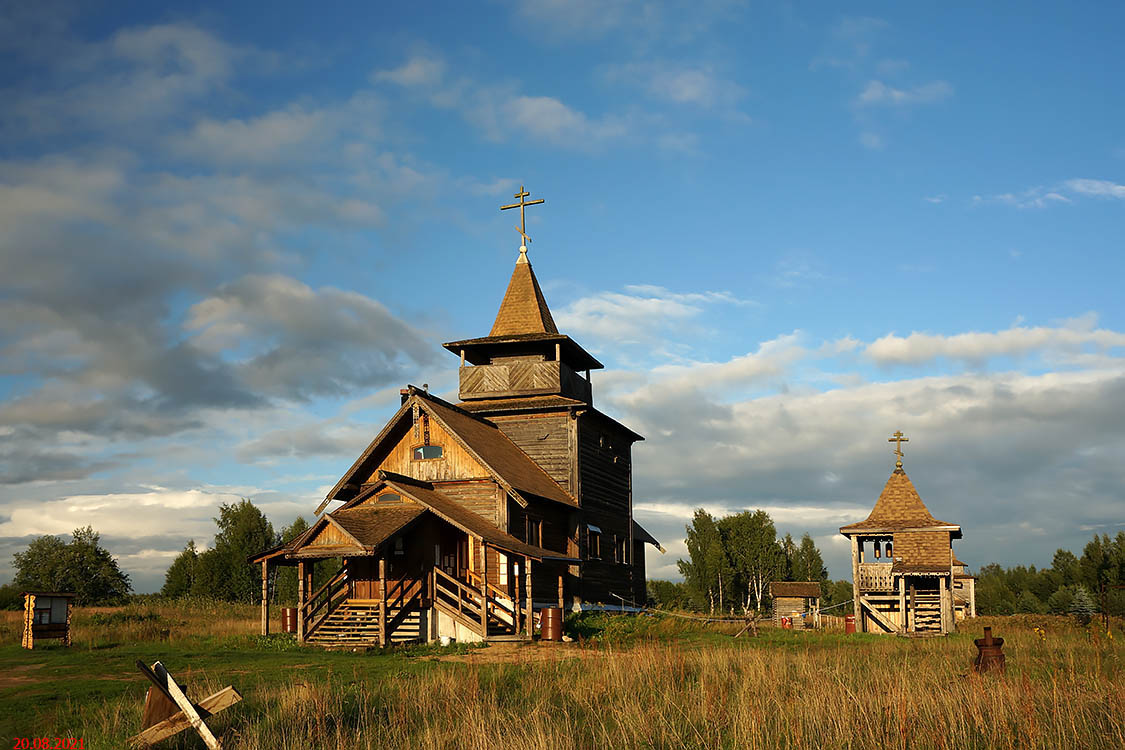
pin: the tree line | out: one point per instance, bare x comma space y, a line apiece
731, 561
1070, 584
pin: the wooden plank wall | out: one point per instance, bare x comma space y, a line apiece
604, 468
543, 437
481, 496
455, 463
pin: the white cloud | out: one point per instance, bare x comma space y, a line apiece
978, 347
699, 85
419, 70
879, 93
1099, 188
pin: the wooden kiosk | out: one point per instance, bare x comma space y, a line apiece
46, 615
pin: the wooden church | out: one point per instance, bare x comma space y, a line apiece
905, 577
463, 520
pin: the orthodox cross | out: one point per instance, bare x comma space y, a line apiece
522, 228
898, 440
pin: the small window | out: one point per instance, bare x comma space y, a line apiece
426, 452
619, 551
389, 497
534, 532
594, 545
399, 547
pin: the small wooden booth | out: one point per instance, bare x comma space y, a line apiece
46, 615
798, 600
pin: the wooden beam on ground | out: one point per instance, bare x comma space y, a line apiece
164, 682
178, 722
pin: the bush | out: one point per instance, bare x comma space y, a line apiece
1083, 607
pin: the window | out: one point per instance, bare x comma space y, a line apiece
426, 452
593, 542
502, 561
389, 497
534, 532
399, 548
620, 553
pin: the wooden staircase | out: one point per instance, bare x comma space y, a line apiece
927, 613
356, 623
462, 602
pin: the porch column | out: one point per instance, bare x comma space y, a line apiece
516, 609
943, 602
265, 598
903, 623
530, 604
383, 599
561, 602
856, 609
972, 597
301, 601
483, 590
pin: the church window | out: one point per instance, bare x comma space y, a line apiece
389, 497
502, 561
426, 452
534, 532
619, 552
593, 542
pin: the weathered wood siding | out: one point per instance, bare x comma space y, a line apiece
455, 463
640, 592
604, 479
544, 438
479, 496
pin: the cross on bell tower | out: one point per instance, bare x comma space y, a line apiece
898, 440
522, 228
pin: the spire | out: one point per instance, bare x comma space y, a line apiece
524, 309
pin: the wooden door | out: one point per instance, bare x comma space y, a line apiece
363, 578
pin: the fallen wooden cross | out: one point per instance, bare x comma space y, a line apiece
168, 710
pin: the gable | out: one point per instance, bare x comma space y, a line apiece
455, 462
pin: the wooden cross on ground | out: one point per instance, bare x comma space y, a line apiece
522, 228
898, 440
168, 710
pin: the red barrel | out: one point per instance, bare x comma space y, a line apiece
786, 623
849, 623
288, 619
550, 627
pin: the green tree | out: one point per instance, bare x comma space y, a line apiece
704, 569
1082, 606
180, 576
223, 572
1028, 604
838, 592
1059, 603
668, 594
808, 565
750, 543
82, 567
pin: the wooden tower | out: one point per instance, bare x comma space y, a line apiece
903, 568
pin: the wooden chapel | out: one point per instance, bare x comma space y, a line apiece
464, 519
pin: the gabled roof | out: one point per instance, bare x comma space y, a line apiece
453, 512
513, 469
524, 309
372, 525
899, 508
803, 589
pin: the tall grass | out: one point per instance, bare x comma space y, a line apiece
669, 684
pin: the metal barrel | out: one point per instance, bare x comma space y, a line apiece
849, 623
288, 619
550, 628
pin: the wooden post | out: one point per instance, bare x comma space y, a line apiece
301, 601
912, 611
561, 599
265, 598
483, 590
902, 615
943, 600
972, 597
855, 584
516, 611
530, 603
383, 599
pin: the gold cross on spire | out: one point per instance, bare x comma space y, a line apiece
898, 440
522, 228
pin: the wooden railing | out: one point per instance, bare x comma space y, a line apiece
327, 598
876, 577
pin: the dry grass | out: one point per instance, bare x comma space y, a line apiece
672, 685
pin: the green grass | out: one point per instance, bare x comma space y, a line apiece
632, 682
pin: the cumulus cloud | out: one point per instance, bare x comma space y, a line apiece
417, 71
1099, 188
697, 85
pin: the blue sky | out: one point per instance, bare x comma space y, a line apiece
230, 237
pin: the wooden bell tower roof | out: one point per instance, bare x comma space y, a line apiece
524, 309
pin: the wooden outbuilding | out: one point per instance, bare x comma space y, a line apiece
798, 600
904, 573
464, 519
46, 615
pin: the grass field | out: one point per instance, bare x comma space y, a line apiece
638, 682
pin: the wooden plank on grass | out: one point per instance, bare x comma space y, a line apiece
206, 708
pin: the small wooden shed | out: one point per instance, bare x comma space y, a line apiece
799, 600
46, 614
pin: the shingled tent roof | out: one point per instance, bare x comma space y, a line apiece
898, 508
524, 309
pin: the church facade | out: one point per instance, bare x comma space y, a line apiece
905, 578
464, 519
